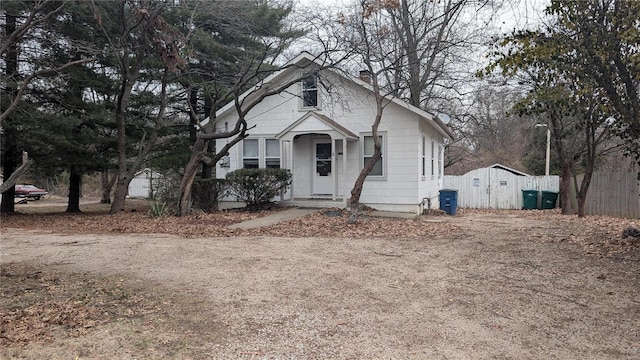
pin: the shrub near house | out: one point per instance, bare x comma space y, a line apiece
257, 187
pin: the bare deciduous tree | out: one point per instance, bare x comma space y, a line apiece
409, 48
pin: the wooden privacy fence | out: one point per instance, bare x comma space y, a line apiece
613, 194
496, 188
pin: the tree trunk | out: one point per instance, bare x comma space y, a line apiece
75, 182
10, 182
208, 170
120, 195
584, 187
122, 184
354, 207
356, 191
193, 120
565, 189
566, 164
9, 147
106, 185
581, 202
190, 172
9, 165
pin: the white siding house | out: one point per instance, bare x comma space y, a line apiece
322, 133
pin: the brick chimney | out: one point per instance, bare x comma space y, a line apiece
365, 76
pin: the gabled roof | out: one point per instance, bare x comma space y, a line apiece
322, 123
302, 61
513, 171
146, 171
305, 60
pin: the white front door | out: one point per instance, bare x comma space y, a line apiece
322, 176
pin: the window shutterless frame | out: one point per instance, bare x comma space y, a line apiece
260, 153
378, 171
309, 89
272, 153
250, 153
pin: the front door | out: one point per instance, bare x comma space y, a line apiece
322, 177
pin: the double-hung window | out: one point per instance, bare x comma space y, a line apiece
272, 153
440, 161
433, 160
260, 153
250, 153
310, 91
424, 157
368, 151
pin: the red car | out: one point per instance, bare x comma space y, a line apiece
30, 191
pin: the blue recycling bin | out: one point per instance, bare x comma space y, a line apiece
449, 201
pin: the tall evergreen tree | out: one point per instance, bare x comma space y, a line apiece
28, 48
232, 46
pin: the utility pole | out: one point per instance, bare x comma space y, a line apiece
548, 159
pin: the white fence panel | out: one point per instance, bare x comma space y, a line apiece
496, 188
472, 188
504, 189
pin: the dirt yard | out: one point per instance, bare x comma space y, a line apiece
481, 285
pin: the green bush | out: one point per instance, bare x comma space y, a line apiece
256, 187
206, 194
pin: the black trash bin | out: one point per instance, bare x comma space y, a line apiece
529, 199
449, 201
549, 199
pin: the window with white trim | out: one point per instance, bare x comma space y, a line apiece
368, 151
441, 161
250, 153
433, 162
424, 156
310, 91
272, 153
260, 153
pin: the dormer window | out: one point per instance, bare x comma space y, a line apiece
310, 92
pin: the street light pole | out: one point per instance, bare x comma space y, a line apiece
548, 155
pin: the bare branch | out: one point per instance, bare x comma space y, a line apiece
11, 181
25, 83
29, 23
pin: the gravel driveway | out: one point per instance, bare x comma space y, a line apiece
505, 287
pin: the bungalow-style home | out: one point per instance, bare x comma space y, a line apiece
320, 129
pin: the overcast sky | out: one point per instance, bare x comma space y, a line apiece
514, 13
522, 14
